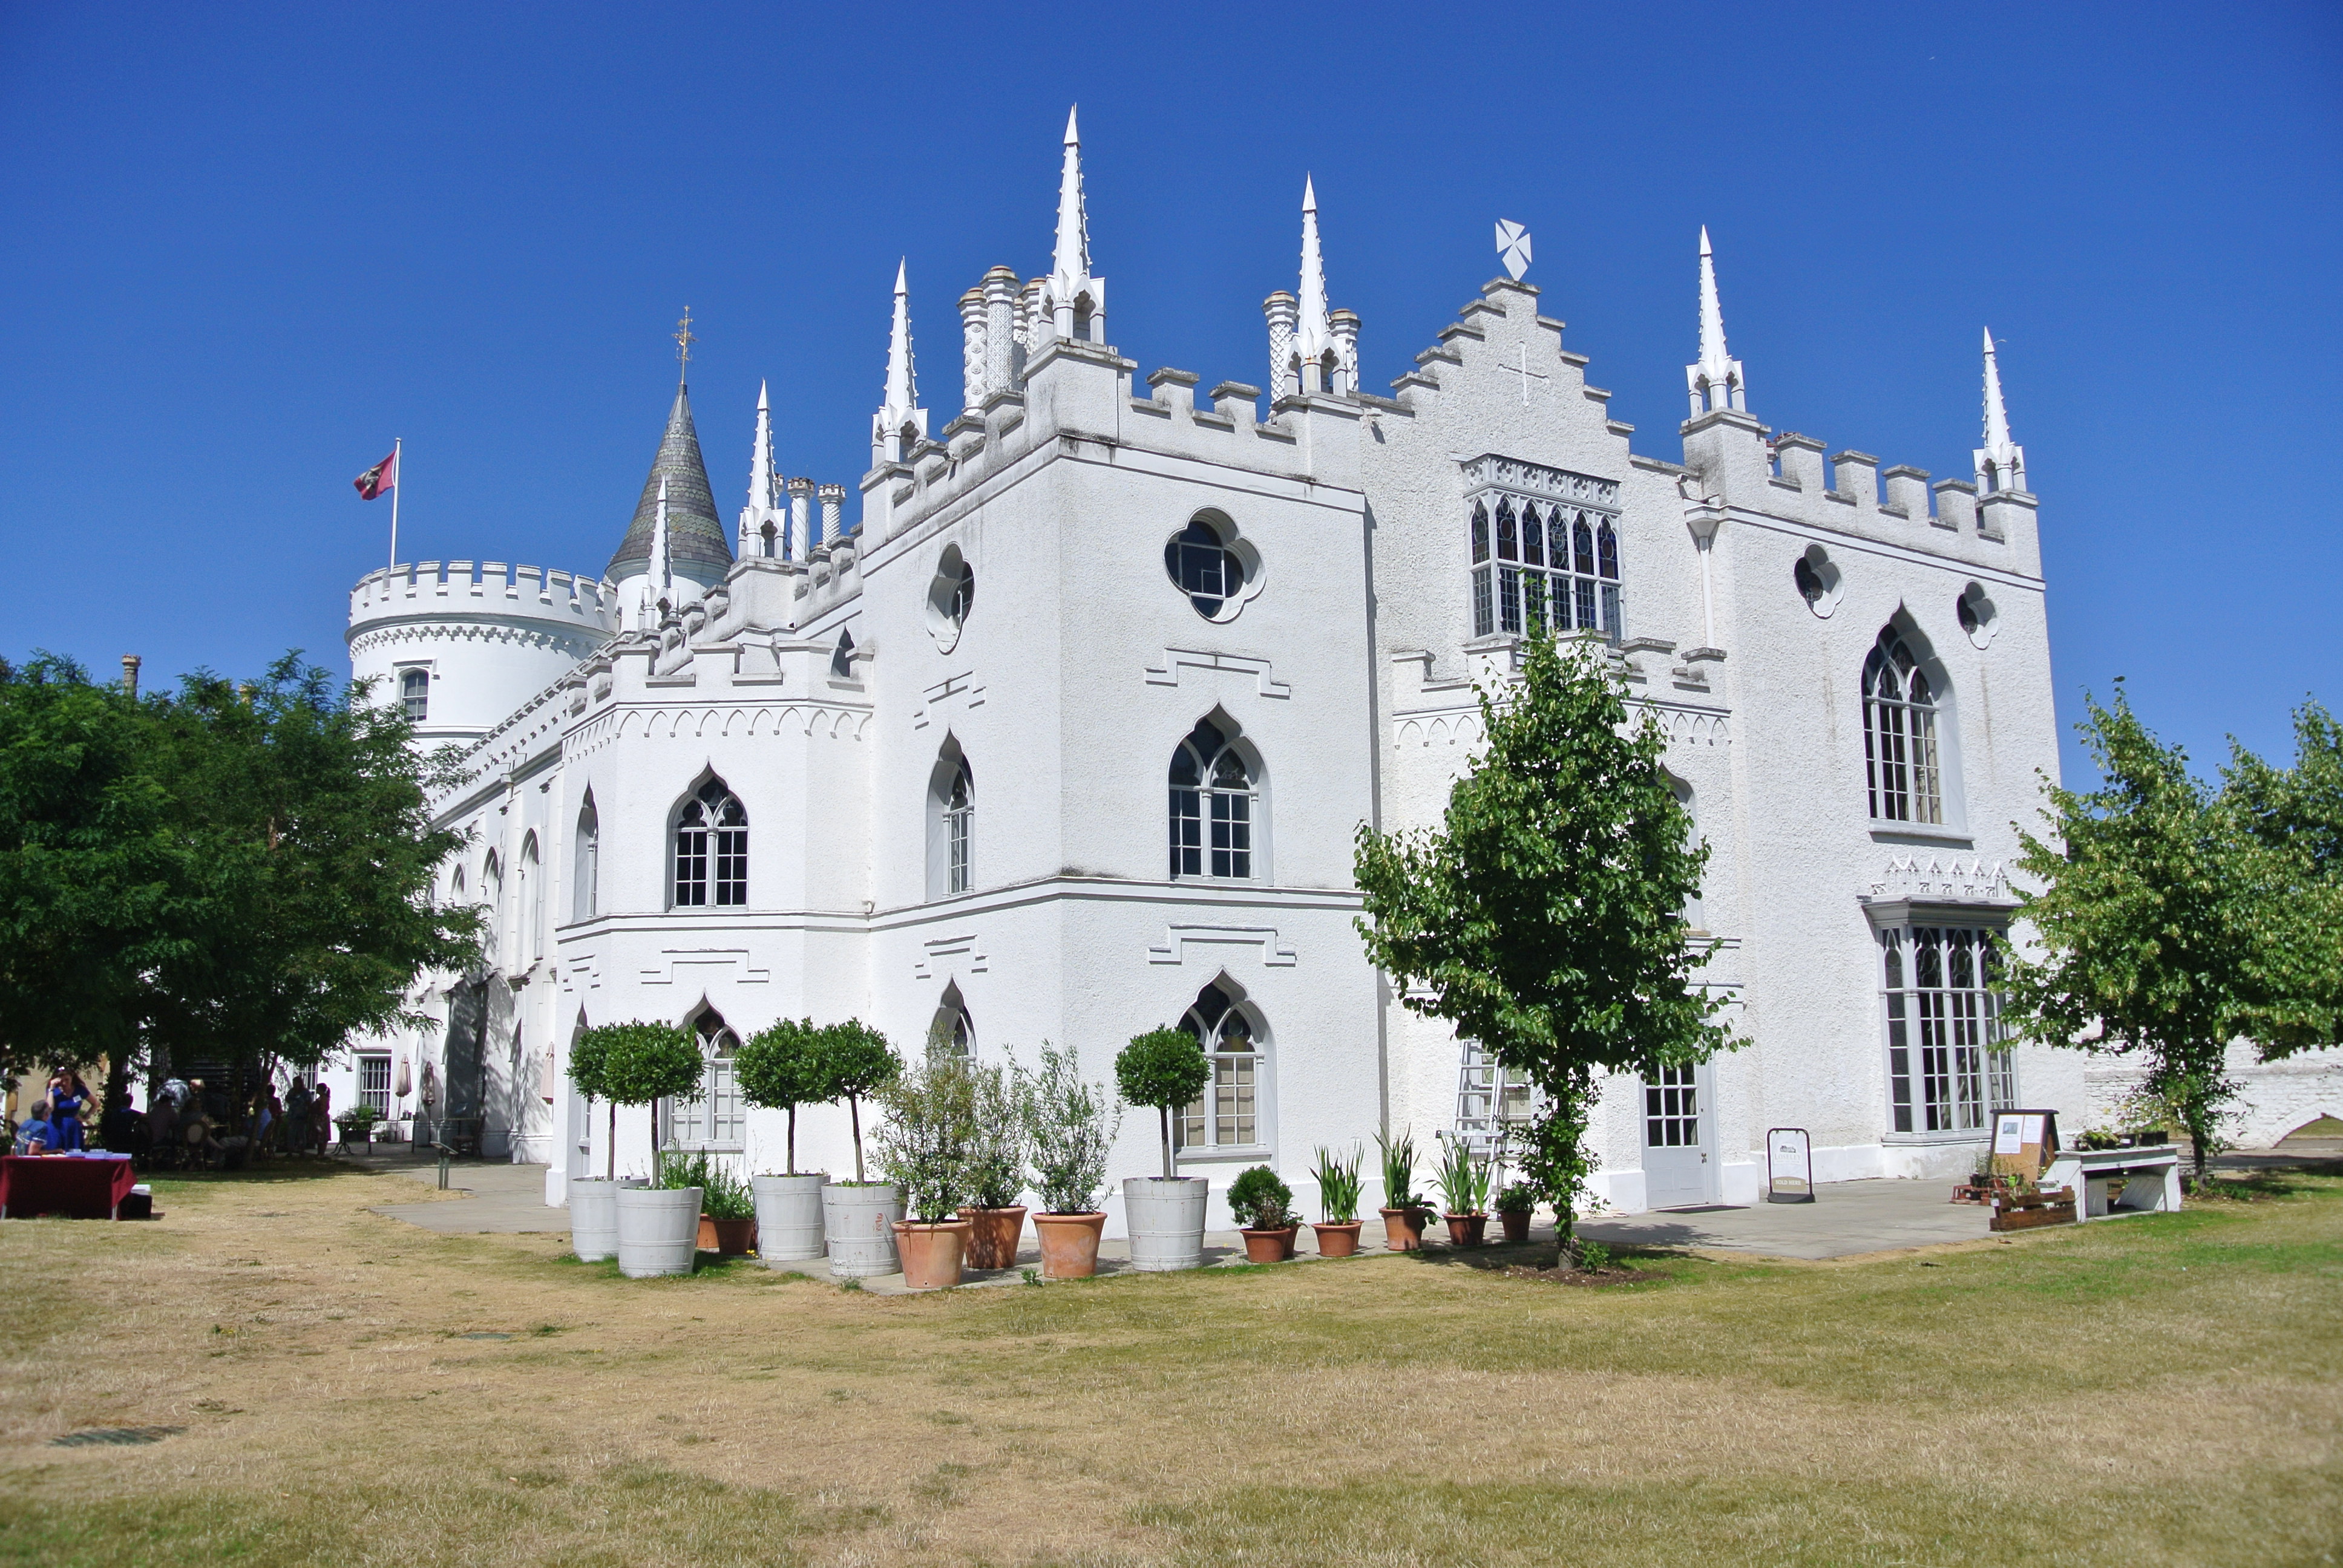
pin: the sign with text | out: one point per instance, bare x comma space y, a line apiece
1789, 1166
2024, 1140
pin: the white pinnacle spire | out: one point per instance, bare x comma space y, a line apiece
900, 405
1715, 382
662, 580
1311, 333
760, 458
1069, 263
2000, 462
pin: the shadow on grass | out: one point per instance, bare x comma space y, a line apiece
704, 1266
274, 1173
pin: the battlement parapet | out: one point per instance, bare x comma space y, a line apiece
490, 589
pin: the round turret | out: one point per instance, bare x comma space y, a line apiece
464, 650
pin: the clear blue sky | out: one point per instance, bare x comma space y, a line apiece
245, 246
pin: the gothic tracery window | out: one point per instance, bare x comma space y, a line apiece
714, 1119
712, 848
958, 813
585, 870
1213, 799
1900, 755
1200, 562
1546, 568
1229, 1115
1948, 1064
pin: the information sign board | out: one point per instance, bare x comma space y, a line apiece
1789, 1166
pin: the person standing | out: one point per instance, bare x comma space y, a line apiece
321, 1116
67, 1101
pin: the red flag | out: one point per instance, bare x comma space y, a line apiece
383, 476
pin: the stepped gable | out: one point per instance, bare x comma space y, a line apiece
696, 542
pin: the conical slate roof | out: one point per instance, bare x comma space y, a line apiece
696, 541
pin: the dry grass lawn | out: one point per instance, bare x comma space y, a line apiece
354, 1391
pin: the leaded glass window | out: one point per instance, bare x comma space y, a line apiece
712, 848
1212, 798
1229, 1115
1949, 1067
1901, 767
1537, 568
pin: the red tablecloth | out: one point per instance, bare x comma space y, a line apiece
82, 1189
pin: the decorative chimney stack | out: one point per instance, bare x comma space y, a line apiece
833, 504
130, 662
1280, 308
976, 356
1002, 366
801, 518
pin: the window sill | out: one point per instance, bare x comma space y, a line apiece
1223, 1154
1887, 832
1932, 1140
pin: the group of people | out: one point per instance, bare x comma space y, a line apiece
176, 1129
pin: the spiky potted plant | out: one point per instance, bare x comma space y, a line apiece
728, 1213
924, 1145
1164, 1068
1338, 1195
1515, 1203
1464, 1188
1070, 1126
857, 1217
1403, 1211
996, 1169
658, 1225
1263, 1206
779, 1069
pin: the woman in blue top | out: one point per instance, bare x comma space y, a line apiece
66, 1100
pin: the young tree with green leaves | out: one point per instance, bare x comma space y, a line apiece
779, 1068
589, 1060
641, 1064
2161, 915
1164, 1068
856, 1061
2294, 978
1544, 917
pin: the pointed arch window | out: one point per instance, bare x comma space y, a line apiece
714, 1120
1484, 590
1900, 755
586, 869
1213, 800
1230, 1114
531, 901
712, 848
959, 813
1544, 568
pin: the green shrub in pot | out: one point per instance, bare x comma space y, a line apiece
1261, 1202
780, 1068
1070, 1128
855, 1062
926, 1138
1164, 1068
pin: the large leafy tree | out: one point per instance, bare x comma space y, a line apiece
1545, 917
2155, 900
2294, 978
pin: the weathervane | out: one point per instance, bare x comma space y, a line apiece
1513, 248
683, 342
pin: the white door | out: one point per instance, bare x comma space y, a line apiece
1677, 1143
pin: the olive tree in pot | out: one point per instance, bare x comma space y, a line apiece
659, 1226
1464, 1188
996, 1168
594, 1200
924, 1146
779, 1069
857, 1217
1164, 1068
1263, 1206
1068, 1131
1337, 1194
1403, 1211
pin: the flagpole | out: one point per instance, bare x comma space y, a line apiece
397, 483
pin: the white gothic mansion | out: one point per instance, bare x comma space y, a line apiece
1069, 732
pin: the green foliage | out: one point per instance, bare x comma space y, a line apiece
1516, 1198
780, 1068
998, 1141
1259, 1200
1463, 1180
2156, 902
1555, 1160
722, 1194
642, 1063
1164, 1068
219, 871
853, 1061
1069, 1133
359, 1117
1590, 1255
1545, 917
589, 1056
2293, 978
1339, 1185
1398, 1156
929, 1136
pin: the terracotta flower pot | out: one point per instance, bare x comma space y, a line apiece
1270, 1246
931, 1254
1069, 1244
1337, 1238
1466, 1230
1516, 1223
1403, 1229
731, 1238
992, 1236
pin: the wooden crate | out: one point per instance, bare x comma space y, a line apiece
2055, 1207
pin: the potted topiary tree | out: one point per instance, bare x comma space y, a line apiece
1263, 1206
1068, 1130
658, 1225
996, 1169
1164, 1068
779, 1069
1515, 1203
924, 1146
1403, 1211
857, 1217
1337, 1194
594, 1200
1465, 1187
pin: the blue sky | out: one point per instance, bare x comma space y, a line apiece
244, 246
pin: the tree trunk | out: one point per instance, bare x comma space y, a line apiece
1163, 1114
854, 1113
611, 1151
793, 1140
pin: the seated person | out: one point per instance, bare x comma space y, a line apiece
123, 1130
35, 1135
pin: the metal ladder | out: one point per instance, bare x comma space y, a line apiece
1485, 1123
